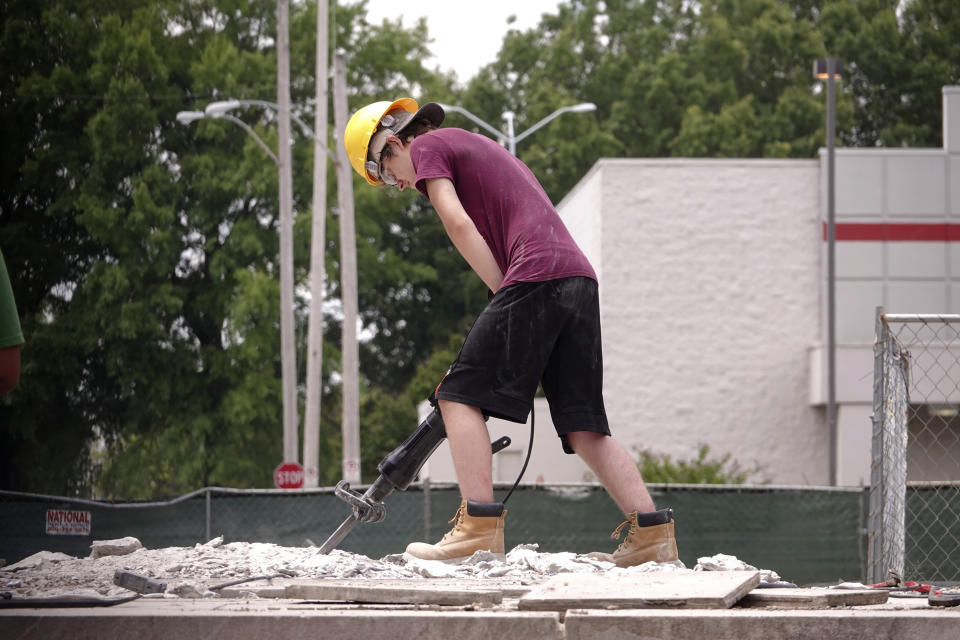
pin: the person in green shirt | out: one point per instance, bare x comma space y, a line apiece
11, 336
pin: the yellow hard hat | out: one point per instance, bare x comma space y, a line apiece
365, 122
361, 127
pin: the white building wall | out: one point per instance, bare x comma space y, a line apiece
709, 305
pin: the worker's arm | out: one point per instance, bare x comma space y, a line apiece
463, 232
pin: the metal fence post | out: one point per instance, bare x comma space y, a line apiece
875, 560
875, 533
889, 464
914, 525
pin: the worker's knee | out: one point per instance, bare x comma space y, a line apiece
583, 440
449, 407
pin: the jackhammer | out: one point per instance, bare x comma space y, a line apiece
397, 471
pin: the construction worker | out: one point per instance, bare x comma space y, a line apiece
541, 326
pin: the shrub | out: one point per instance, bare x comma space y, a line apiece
661, 468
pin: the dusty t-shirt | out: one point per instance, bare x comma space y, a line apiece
506, 203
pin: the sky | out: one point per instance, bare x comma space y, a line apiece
467, 35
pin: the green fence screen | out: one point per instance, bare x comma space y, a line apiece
807, 535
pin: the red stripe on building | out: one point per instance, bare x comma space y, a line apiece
894, 232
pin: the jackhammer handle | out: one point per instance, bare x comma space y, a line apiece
402, 465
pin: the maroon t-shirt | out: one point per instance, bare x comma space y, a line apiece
506, 203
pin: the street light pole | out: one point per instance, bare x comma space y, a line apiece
509, 138
829, 69
221, 107
186, 117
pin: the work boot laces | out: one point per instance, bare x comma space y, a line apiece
616, 533
456, 521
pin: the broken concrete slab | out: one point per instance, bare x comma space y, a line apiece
117, 547
253, 590
812, 598
392, 592
626, 590
278, 588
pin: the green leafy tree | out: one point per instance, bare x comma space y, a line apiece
896, 56
144, 251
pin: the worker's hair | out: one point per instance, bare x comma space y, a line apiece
416, 128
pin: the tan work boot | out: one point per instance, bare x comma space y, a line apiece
649, 539
477, 526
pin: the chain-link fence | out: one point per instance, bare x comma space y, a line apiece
808, 535
914, 519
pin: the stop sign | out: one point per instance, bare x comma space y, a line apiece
289, 475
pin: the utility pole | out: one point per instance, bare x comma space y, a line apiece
287, 347
311, 422
348, 279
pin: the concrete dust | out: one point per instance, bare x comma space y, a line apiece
191, 571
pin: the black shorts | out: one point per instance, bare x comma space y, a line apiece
535, 333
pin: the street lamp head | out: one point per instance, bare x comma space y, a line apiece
824, 67
219, 108
583, 107
186, 117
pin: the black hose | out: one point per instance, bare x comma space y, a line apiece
523, 469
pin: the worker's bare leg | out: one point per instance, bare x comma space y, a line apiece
479, 522
614, 468
470, 448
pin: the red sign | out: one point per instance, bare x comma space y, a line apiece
61, 522
288, 475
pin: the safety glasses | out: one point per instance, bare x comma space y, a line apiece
377, 170
389, 124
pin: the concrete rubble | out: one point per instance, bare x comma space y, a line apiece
190, 571
295, 592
